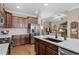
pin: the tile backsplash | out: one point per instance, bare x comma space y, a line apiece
14, 31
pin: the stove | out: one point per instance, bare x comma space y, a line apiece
4, 40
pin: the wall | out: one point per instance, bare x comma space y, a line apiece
72, 16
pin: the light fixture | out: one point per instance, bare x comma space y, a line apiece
41, 27
45, 4
18, 6
36, 12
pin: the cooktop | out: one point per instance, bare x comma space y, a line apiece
4, 40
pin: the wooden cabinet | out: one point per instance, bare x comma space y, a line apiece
19, 22
50, 51
27, 39
36, 46
15, 22
20, 40
74, 30
45, 48
8, 19
2, 12
2, 9
7, 16
24, 39
16, 40
32, 20
41, 49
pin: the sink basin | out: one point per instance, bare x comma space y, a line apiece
53, 40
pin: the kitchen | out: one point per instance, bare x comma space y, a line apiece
40, 29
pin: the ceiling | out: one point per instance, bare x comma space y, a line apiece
43, 11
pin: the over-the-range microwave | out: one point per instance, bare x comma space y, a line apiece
1, 20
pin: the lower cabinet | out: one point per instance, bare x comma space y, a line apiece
50, 51
41, 50
20, 40
36, 46
15, 40
45, 48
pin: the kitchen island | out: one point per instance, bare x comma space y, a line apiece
68, 44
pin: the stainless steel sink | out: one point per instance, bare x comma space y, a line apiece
53, 40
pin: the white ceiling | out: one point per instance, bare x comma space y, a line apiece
30, 8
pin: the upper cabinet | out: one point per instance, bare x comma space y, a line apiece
74, 30
20, 22
2, 9
32, 20
2, 15
8, 21
7, 17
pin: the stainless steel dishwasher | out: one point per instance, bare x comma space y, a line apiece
63, 51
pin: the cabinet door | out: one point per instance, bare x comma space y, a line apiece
15, 22
50, 51
25, 23
20, 22
22, 39
2, 9
16, 40
41, 49
36, 46
8, 20
27, 39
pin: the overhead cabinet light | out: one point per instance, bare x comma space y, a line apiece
18, 6
36, 12
45, 4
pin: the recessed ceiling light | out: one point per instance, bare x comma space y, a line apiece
45, 4
36, 12
18, 6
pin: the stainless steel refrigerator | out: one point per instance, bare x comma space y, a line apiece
33, 30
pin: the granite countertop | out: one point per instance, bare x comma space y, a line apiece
70, 44
5, 36
4, 48
10, 35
